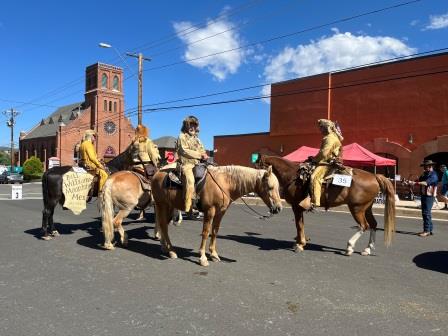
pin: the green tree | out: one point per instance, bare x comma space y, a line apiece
5, 158
32, 169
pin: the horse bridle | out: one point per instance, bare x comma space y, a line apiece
260, 216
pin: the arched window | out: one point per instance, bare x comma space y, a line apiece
115, 106
110, 106
115, 83
105, 105
104, 81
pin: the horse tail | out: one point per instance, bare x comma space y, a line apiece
387, 188
107, 211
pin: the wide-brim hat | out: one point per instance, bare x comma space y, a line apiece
428, 163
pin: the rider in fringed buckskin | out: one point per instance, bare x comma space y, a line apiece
89, 160
330, 149
190, 151
144, 153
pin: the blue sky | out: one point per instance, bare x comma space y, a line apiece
46, 45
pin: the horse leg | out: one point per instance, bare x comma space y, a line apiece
141, 215
359, 216
53, 230
372, 227
47, 220
208, 218
215, 228
118, 220
300, 238
163, 214
177, 217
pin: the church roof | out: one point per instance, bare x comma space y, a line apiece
50, 125
166, 142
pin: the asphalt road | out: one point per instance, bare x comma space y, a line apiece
69, 286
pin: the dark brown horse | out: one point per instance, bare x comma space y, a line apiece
359, 198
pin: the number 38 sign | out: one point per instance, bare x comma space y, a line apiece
342, 180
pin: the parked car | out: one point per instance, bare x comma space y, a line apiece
7, 177
15, 178
3, 177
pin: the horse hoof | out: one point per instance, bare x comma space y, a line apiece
172, 255
157, 236
348, 253
109, 246
298, 248
47, 238
203, 262
55, 233
215, 258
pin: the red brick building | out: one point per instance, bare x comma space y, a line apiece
398, 110
102, 110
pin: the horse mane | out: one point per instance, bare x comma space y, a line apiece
243, 179
120, 162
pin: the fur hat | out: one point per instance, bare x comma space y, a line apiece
190, 121
331, 127
141, 131
428, 163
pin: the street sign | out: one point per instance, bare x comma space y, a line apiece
16, 192
254, 157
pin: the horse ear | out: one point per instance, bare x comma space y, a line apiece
269, 171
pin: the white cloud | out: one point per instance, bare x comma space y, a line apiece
414, 22
339, 51
221, 65
437, 22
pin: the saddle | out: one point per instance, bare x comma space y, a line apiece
145, 176
174, 179
307, 168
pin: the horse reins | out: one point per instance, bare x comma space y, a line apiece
260, 216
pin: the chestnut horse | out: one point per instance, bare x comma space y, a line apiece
223, 185
359, 198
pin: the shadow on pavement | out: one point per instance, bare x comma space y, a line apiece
269, 244
146, 248
67, 229
433, 261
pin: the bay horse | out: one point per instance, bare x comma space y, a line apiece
359, 198
52, 190
223, 185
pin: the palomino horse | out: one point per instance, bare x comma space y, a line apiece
52, 190
359, 198
223, 185
124, 191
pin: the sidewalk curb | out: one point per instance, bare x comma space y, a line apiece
440, 215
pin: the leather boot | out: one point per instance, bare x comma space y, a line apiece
306, 203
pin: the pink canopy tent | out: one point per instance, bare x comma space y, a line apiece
301, 154
353, 155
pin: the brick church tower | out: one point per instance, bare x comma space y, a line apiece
58, 134
104, 95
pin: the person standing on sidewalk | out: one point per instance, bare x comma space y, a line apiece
444, 185
428, 190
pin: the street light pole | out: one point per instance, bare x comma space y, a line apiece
140, 58
12, 114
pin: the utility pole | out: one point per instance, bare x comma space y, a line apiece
11, 115
140, 82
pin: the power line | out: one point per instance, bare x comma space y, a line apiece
361, 82
275, 38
